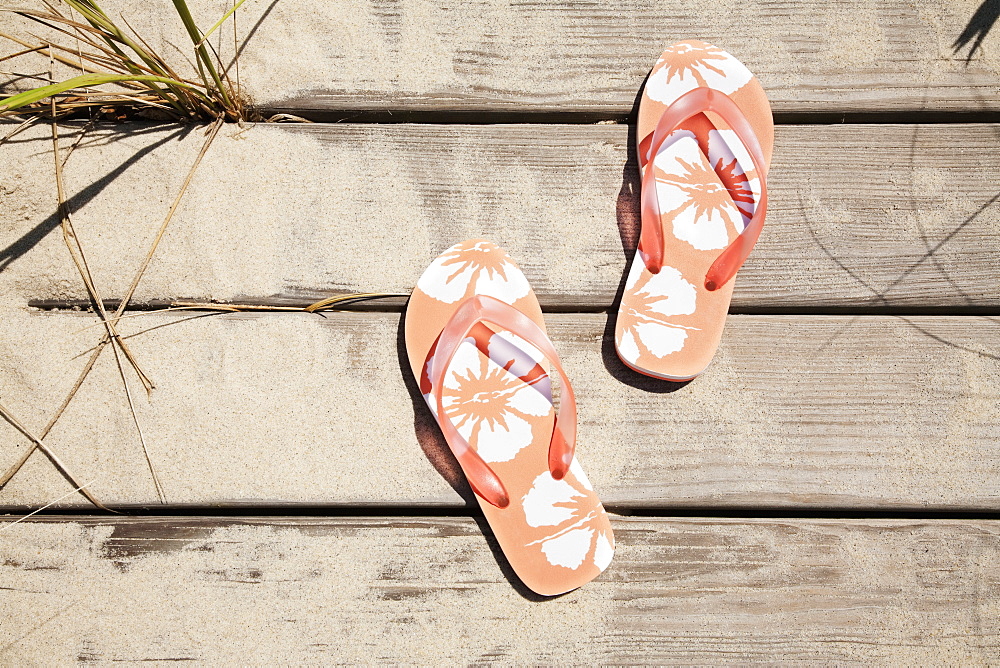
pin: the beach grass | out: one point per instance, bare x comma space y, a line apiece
120, 72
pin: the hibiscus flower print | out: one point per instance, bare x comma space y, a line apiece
495, 400
569, 518
649, 300
692, 64
692, 196
475, 267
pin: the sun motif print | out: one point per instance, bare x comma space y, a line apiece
692, 64
692, 196
490, 404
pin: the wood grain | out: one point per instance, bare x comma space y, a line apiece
273, 409
430, 590
799, 411
811, 56
863, 217
856, 56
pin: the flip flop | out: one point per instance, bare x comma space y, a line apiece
703, 205
477, 345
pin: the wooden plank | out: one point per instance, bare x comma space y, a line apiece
429, 590
862, 217
251, 409
474, 55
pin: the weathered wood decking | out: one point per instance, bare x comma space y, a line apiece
841, 454
869, 218
429, 590
815, 57
818, 412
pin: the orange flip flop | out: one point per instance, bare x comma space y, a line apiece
477, 345
707, 120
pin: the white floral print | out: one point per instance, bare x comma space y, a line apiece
476, 267
603, 551
491, 407
558, 503
649, 300
691, 194
544, 502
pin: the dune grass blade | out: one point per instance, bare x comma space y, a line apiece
317, 307
112, 334
22, 52
42, 92
166, 221
200, 50
219, 22
112, 48
340, 299
110, 34
108, 324
28, 45
12, 471
47, 49
69, 234
102, 29
80, 259
138, 427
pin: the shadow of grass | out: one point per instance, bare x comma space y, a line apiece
978, 28
32, 237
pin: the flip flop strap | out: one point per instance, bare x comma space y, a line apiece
684, 107
482, 309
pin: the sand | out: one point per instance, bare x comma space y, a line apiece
312, 222
228, 229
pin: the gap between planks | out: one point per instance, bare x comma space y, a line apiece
396, 304
488, 116
237, 512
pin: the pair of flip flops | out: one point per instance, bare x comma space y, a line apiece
476, 338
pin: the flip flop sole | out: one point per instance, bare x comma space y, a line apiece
555, 533
669, 325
